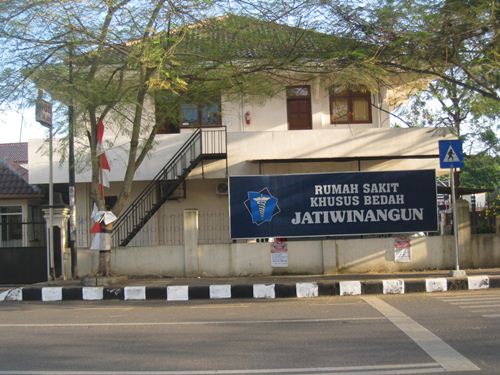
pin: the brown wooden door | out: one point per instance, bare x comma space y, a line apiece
298, 108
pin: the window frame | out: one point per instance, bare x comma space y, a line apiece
11, 231
350, 96
290, 95
199, 109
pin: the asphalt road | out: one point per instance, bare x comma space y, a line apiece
411, 334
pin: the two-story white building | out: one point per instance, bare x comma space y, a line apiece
308, 127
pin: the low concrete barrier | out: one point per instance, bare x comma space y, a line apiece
251, 291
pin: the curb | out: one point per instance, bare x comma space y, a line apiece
250, 291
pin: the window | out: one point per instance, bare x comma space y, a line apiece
205, 114
173, 112
350, 107
297, 92
11, 218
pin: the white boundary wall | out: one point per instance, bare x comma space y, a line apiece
305, 257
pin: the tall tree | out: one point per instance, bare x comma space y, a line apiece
455, 46
454, 40
125, 52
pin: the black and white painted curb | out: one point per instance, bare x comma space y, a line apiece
254, 291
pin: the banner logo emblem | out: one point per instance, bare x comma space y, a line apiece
262, 206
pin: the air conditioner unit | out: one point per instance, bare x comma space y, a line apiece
221, 188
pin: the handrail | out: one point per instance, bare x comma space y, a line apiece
155, 179
164, 183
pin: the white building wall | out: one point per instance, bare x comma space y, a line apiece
270, 114
265, 114
165, 227
246, 148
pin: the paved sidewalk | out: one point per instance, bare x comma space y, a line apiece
183, 289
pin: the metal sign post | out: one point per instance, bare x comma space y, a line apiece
451, 156
455, 224
43, 115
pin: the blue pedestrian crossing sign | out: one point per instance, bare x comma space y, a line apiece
450, 154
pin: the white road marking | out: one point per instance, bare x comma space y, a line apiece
335, 304
472, 300
194, 323
478, 306
471, 294
223, 306
463, 299
441, 352
414, 368
102, 308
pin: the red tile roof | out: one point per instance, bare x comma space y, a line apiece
13, 185
17, 152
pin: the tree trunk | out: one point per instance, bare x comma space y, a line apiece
105, 254
105, 262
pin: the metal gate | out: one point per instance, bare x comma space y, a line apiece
23, 253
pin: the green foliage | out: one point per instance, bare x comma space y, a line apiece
493, 209
481, 171
455, 40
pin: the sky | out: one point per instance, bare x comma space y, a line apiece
20, 126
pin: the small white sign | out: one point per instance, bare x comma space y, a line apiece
402, 250
279, 253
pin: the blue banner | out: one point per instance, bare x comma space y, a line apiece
332, 204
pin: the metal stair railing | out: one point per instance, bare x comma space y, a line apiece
198, 146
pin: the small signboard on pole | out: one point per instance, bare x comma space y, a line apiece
43, 112
451, 156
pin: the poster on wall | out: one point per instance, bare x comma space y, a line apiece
331, 204
402, 250
279, 253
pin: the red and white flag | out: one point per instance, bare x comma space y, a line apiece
105, 169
